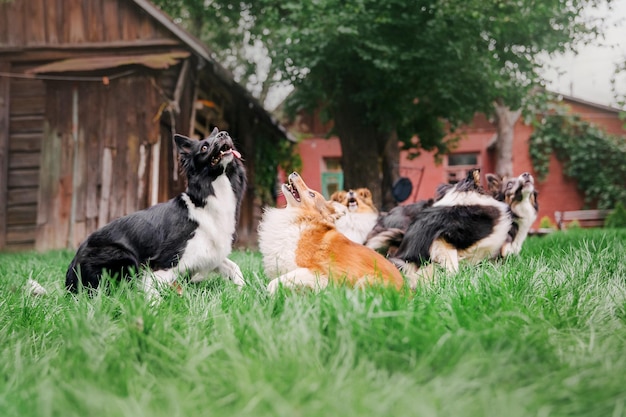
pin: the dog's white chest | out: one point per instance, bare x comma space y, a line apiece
356, 226
212, 240
278, 241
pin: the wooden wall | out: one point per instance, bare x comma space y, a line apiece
28, 23
75, 152
24, 137
97, 156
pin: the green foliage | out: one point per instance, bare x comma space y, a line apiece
617, 218
592, 157
546, 223
268, 157
573, 225
490, 341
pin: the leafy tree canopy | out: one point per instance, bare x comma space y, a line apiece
390, 69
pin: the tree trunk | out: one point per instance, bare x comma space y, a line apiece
361, 155
390, 155
505, 119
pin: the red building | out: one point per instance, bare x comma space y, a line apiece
322, 167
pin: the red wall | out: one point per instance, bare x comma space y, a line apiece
556, 192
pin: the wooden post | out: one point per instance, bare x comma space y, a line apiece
4, 149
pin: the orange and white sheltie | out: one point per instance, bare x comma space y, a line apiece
360, 213
301, 246
519, 193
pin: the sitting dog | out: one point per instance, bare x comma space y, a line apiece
190, 234
301, 246
519, 193
466, 223
360, 214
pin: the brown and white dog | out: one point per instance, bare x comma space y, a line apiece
360, 213
301, 246
520, 194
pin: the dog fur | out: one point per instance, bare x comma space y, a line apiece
466, 223
301, 246
520, 194
189, 234
360, 213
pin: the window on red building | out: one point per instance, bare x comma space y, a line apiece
332, 176
457, 165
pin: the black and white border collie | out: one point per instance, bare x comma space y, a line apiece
520, 194
189, 234
465, 223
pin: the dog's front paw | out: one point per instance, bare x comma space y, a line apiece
232, 271
273, 286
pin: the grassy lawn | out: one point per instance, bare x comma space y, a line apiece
543, 334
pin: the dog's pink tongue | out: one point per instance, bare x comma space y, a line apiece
237, 154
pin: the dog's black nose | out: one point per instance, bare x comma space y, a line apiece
525, 175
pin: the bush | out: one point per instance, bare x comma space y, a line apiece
574, 224
546, 223
617, 218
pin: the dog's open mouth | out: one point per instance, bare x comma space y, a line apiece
225, 150
352, 203
292, 189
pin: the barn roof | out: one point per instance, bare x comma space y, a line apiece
208, 56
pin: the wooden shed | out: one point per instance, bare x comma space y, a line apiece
90, 95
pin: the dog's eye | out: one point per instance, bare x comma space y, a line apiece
204, 148
312, 194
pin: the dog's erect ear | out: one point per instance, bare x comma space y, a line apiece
338, 196
494, 183
365, 193
214, 132
184, 144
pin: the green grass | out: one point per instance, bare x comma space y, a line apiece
543, 334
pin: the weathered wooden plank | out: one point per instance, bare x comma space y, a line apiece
107, 180
23, 160
18, 247
55, 188
132, 144
4, 148
75, 23
132, 165
54, 19
26, 87
35, 28
94, 135
128, 21
93, 17
142, 176
27, 123
110, 21
22, 215
23, 178
79, 172
21, 235
155, 162
15, 23
26, 105
17, 196
4, 17
25, 142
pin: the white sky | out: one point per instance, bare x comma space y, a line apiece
588, 74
